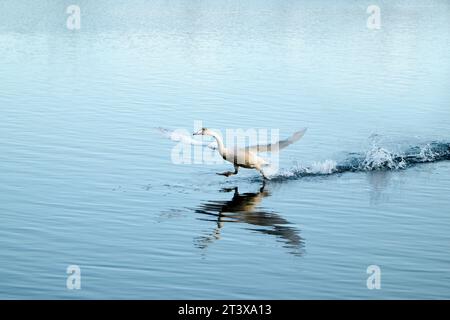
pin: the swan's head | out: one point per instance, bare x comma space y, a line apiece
203, 132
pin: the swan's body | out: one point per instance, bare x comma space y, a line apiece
247, 157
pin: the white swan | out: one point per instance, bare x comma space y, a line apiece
247, 157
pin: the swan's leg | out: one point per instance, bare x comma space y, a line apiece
262, 172
261, 190
264, 176
230, 173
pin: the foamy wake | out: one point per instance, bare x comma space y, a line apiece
376, 158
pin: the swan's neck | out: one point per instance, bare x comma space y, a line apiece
220, 145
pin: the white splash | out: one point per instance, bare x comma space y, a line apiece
380, 158
316, 168
427, 154
325, 167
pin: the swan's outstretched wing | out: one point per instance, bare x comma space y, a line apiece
275, 147
179, 136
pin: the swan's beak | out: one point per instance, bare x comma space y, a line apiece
198, 133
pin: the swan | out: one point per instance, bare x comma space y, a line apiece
247, 157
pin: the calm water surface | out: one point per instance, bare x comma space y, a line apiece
87, 180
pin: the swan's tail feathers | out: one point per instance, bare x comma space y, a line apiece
277, 146
298, 135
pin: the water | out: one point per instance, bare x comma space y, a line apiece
87, 180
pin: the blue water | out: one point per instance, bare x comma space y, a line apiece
85, 179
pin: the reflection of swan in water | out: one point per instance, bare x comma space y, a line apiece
242, 208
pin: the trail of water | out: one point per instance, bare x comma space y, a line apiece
376, 158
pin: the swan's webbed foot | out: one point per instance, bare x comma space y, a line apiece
235, 189
230, 173
226, 173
